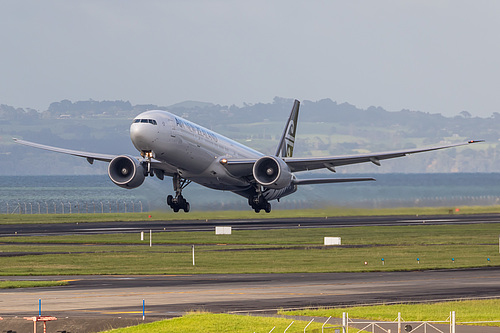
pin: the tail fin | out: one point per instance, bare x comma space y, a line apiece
285, 146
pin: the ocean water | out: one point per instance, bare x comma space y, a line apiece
88, 194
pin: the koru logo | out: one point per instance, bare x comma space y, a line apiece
289, 139
291, 128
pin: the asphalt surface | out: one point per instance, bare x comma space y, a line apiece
209, 225
91, 299
173, 295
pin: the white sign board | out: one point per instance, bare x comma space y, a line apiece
223, 230
332, 241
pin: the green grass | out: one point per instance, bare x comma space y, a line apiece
247, 214
220, 323
465, 311
258, 251
31, 284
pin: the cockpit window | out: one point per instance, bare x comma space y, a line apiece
147, 121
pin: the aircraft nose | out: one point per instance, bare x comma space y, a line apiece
142, 136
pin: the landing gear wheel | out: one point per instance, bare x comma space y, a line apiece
178, 203
268, 207
259, 203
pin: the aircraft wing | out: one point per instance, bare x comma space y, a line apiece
243, 167
330, 162
89, 156
155, 164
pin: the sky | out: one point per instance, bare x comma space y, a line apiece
436, 56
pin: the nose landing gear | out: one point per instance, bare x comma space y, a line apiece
148, 155
178, 202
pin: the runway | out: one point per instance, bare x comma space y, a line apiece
167, 296
252, 224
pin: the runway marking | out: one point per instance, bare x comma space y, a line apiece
429, 220
125, 312
99, 229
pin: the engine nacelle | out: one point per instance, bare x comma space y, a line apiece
272, 172
126, 171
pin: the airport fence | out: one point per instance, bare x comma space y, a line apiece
75, 207
399, 325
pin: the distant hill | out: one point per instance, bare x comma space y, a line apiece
190, 105
325, 128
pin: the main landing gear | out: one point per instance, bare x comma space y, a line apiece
258, 202
178, 202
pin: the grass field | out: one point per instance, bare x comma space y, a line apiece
257, 251
31, 284
221, 323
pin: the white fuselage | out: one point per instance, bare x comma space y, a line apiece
188, 149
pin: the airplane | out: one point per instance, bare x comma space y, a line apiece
175, 147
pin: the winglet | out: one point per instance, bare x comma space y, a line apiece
287, 141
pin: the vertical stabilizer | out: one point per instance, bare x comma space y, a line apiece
285, 146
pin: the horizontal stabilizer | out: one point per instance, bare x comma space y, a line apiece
329, 180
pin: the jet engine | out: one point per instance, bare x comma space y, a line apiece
272, 172
126, 171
